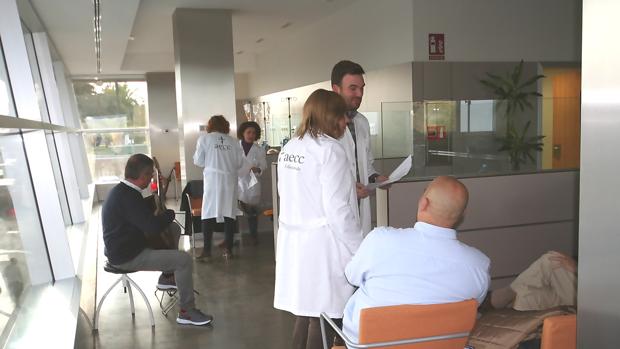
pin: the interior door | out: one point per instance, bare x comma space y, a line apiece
566, 119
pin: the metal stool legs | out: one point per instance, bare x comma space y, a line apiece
128, 283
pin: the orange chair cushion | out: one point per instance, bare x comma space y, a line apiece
196, 205
415, 321
559, 332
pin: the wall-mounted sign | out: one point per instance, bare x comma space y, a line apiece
436, 132
436, 47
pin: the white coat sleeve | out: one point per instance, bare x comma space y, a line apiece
240, 161
336, 187
359, 266
199, 154
371, 159
262, 161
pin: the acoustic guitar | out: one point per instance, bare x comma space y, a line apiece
168, 239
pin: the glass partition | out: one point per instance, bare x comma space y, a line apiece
471, 137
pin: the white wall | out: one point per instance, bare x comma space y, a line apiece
375, 34
378, 34
491, 30
390, 84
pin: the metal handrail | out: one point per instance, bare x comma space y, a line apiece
352, 344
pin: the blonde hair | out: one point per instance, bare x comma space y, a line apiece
322, 111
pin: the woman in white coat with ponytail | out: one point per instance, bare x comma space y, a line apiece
249, 186
319, 230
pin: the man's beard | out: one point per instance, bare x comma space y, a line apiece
354, 106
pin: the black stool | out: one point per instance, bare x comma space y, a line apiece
127, 283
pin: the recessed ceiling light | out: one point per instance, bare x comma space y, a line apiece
285, 25
260, 40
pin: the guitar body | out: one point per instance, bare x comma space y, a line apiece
168, 239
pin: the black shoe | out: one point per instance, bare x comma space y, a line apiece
166, 282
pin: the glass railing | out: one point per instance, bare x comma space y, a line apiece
475, 137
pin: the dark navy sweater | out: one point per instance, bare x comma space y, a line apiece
126, 218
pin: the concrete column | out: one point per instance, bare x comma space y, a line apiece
163, 124
204, 71
598, 313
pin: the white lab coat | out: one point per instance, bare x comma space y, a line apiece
255, 158
349, 148
365, 163
222, 158
319, 231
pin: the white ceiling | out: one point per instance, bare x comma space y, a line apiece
70, 26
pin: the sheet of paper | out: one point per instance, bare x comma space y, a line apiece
396, 175
253, 180
247, 167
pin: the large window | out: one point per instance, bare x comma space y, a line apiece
114, 120
6, 100
23, 257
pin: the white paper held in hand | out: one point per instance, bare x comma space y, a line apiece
400, 172
253, 180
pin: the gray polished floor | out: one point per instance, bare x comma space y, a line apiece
239, 293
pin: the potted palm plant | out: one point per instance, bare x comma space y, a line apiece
513, 95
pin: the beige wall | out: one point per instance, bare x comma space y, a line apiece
500, 31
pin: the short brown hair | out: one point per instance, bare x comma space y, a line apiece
137, 165
218, 123
248, 124
322, 111
343, 68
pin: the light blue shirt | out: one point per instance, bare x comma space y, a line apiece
425, 264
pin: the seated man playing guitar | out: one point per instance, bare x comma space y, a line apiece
129, 222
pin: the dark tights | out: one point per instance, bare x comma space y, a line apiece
251, 212
307, 333
208, 226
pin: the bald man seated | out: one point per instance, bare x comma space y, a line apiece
425, 264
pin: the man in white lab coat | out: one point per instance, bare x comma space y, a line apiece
348, 81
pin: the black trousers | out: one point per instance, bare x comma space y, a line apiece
307, 333
251, 212
208, 226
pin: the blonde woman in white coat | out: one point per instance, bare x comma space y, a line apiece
222, 158
255, 158
319, 229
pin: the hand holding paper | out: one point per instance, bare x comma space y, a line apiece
395, 176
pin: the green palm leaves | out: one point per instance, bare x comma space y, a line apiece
515, 95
